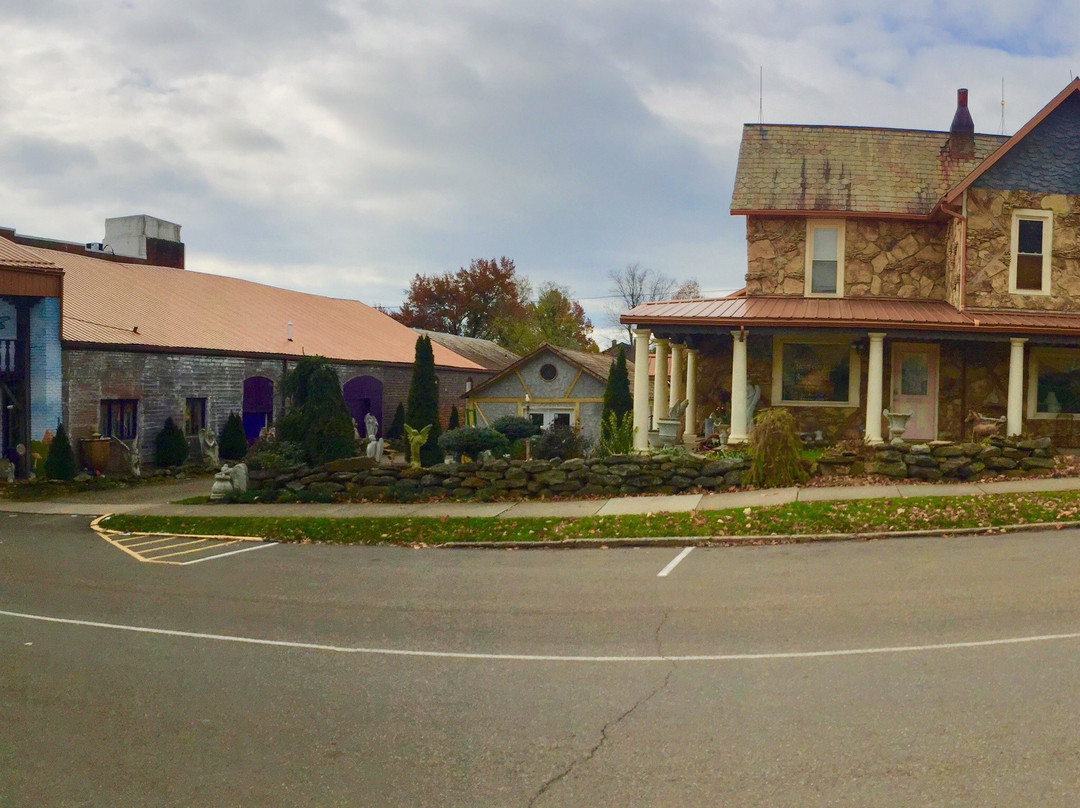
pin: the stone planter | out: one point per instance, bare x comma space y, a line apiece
654, 439
898, 422
95, 452
668, 430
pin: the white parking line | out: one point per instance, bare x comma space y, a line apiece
231, 552
674, 563
403, 652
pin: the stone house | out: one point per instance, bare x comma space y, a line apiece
931, 272
551, 385
115, 344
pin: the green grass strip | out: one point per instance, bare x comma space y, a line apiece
800, 518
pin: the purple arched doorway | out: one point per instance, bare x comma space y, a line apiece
258, 408
363, 395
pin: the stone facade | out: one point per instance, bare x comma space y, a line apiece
161, 383
775, 250
988, 250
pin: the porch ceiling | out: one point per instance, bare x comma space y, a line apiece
870, 313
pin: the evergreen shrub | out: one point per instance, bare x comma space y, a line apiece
319, 419
60, 464
775, 451
471, 441
422, 407
170, 446
617, 398
559, 441
232, 442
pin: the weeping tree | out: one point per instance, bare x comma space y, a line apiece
318, 419
422, 407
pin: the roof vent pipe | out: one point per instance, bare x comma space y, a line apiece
962, 130
290, 330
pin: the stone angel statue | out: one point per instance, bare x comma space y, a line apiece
417, 438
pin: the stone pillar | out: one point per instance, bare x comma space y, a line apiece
678, 380
690, 436
874, 381
1014, 419
739, 427
641, 389
660, 384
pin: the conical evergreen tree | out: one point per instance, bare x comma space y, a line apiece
319, 419
60, 464
453, 423
422, 407
617, 397
232, 442
397, 423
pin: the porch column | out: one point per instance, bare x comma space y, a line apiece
690, 433
641, 389
660, 384
738, 389
874, 381
1015, 413
678, 380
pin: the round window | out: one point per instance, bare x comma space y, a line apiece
548, 372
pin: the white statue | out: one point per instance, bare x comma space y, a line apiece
209, 445
131, 452
678, 409
753, 396
229, 479
371, 426
7, 470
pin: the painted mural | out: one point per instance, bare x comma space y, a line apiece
45, 374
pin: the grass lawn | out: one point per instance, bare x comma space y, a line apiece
798, 520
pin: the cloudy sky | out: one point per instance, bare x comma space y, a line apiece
342, 147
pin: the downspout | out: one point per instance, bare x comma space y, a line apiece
962, 292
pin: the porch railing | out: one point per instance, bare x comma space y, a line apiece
8, 356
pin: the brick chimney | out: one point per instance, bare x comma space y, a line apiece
962, 131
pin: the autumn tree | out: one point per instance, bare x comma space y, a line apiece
480, 301
636, 284
552, 318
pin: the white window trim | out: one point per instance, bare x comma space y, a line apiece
1047, 218
1034, 355
854, 371
808, 270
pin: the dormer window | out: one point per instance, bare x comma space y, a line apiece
1029, 263
824, 258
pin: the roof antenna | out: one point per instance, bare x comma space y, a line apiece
1002, 105
760, 88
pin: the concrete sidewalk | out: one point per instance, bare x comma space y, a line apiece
156, 500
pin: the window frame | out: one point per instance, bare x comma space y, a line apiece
1047, 219
105, 420
854, 370
1035, 356
203, 409
812, 226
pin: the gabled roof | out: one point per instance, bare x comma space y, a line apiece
954, 193
597, 365
25, 273
848, 169
109, 303
483, 352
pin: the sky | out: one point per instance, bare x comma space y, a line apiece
341, 148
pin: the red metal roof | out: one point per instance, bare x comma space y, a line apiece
139, 305
859, 312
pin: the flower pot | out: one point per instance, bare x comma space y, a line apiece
668, 430
95, 452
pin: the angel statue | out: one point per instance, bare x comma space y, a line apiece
417, 438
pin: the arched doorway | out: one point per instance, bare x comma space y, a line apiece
258, 407
363, 395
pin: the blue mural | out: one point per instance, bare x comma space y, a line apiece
45, 374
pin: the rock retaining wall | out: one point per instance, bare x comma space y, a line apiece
943, 460
360, 478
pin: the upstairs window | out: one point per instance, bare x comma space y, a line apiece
1029, 262
824, 258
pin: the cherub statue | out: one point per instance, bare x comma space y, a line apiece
417, 438
209, 445
678, 409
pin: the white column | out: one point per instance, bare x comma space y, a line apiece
690, 435
678, 380
739, 431
1014, 418
660, 384
641, 389
874, 381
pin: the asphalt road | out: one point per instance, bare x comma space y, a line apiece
815, 675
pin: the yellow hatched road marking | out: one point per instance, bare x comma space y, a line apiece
200, 542
154, 546
132, 545
206, 546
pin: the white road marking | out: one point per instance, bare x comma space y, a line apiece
403, 652
674, 563
231, 552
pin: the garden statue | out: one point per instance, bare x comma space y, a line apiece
678, 409
983, 427
229, 479
375, 445
131, 452
417, 438
753, 396
209, 445
7, 470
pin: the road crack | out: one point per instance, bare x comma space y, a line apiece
610, 725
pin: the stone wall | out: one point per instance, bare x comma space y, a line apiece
360, 479
989, 248
883, 257
945, 460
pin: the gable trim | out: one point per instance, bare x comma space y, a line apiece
951, 197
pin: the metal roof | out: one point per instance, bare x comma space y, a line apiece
140, 305
484, 352
849, 169
597, 365
858, 312
15, 256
